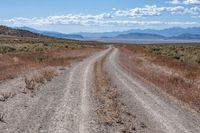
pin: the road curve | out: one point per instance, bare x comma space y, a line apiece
160, 115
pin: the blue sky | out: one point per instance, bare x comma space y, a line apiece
71, 16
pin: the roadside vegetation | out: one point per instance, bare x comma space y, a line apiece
21, 54
112, 113
34, 82
175, 68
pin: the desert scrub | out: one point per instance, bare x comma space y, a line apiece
6, 95
36, 81
2, 115
48, 75
30, 83
6, 49
183, 53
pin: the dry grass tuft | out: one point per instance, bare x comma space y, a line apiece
6, 95
35, 81
108, 109
2, 115
49, 74
30, 83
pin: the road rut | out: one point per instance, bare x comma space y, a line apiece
65, 105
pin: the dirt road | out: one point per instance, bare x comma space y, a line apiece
66, 104
159, 114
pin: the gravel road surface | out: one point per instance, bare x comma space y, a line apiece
65, 105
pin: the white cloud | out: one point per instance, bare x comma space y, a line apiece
156, 11
90, 21
65, 19
115, 17
194, 2
175, 2
114, 9
139, 12
187, 2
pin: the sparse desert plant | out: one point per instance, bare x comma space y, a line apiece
2, 118
35, 81
30, 83
49, 74
39, 79
6, 49
6, 95
191, 76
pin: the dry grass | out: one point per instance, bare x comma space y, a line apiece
183, 53
14, 63
36, 81
20, 54
6, 95
2, 118
108, 109
30, 83
48, 75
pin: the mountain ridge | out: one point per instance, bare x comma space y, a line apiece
170, 33
174, 31
8, 31
53, 33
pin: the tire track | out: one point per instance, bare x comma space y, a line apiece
64, 106
72, 113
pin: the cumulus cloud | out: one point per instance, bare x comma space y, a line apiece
156, 11
115, 17
64, 19
90, 21
187, 2
139, 12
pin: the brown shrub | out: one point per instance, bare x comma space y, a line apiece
35, 81
49, 74
39, 79
2, 118
6, 95
30, 83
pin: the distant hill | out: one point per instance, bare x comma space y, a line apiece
174, 31
53, 34
140, 36
7, 31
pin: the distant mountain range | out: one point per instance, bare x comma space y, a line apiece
146, 36
164, 34
52, 33
140, 36
174, 31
